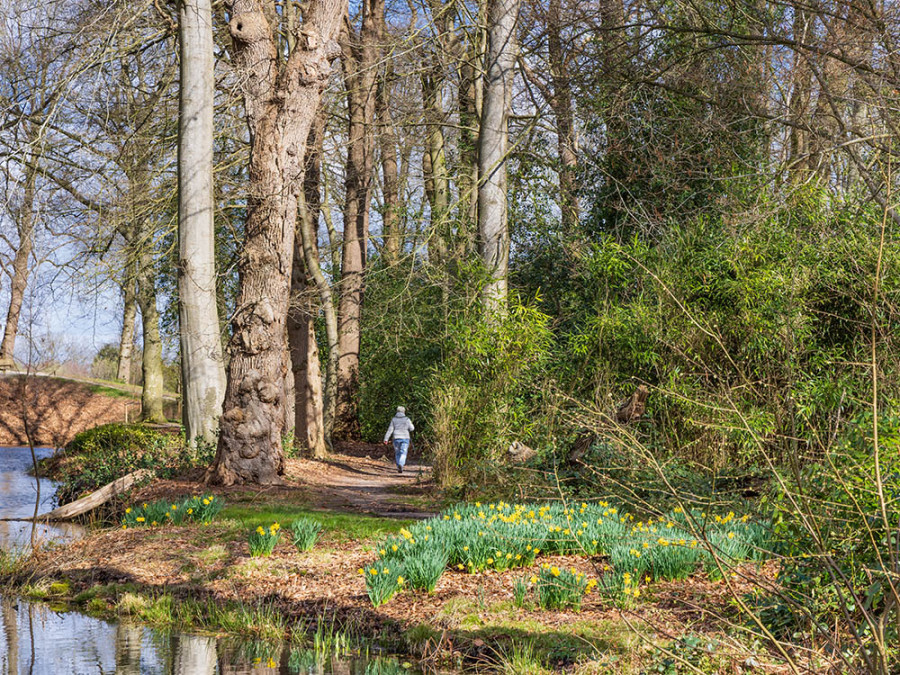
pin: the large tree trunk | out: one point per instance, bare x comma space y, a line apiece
493, 142
280, 106
360, 77
202, 365
309, 405
151, 364
20, 272
126, 342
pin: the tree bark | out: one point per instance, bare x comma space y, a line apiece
437, 175
20, 272
202, 363
126, 342
309, 405
493, 142
151, 362
308, 250
387, 137
360, 57
280, 107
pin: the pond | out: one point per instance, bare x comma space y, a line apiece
42, 639
21, 496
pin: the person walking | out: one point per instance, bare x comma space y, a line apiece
399, 428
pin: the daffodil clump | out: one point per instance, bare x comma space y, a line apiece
195, 509
304, 533
382, 583
262, 540
665, 548
623, 589
480, 537
557, 588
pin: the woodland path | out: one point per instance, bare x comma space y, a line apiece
367, 484
358, 478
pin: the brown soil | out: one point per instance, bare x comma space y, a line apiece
55, 409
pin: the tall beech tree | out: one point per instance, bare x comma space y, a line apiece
202, 366
493, 144
281, 85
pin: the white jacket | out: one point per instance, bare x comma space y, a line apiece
400, 427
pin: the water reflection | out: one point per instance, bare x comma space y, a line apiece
23, 496
38, 640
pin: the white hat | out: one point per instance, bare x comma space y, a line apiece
401, 410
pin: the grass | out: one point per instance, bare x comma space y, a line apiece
569, 643
337, 527
112, 392
520, 659
212, 554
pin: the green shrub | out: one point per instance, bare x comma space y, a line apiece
101, 455
486, 392
304, 533
263, 540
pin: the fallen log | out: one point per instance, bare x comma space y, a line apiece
96, 498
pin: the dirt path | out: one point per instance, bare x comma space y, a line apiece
369, 484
